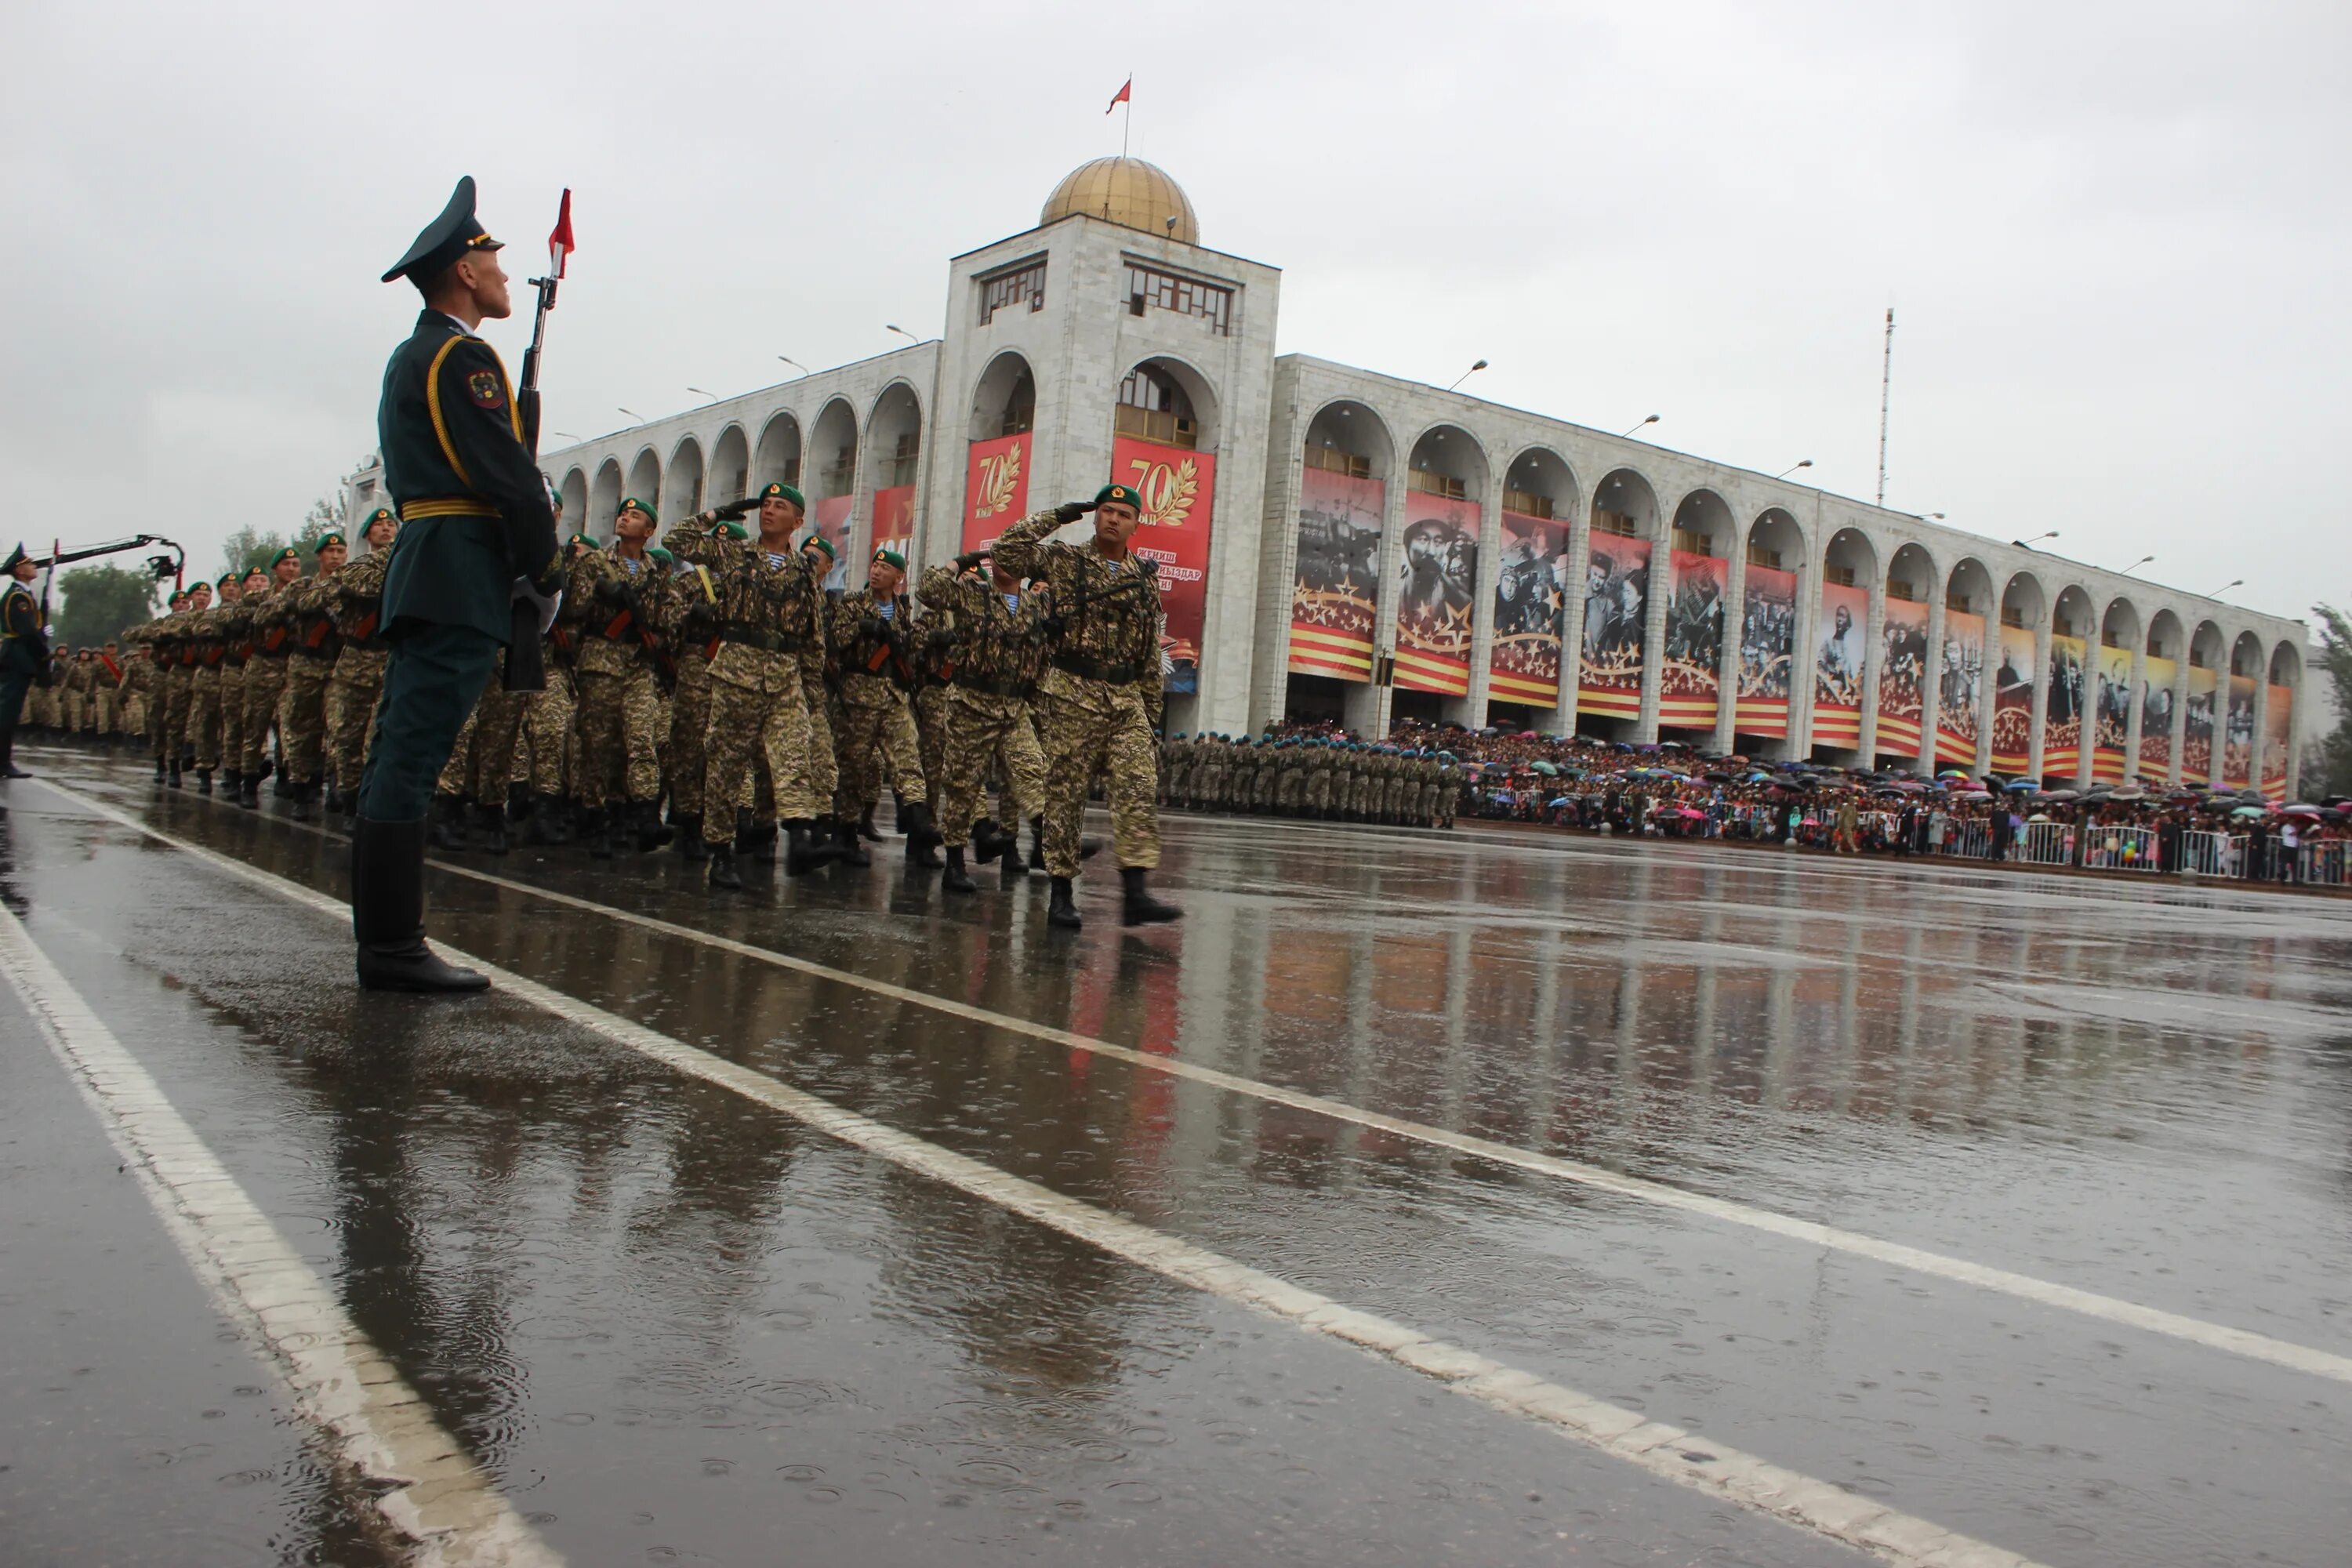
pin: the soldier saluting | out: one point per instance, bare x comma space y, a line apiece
476, 535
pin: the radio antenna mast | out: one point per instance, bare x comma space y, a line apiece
1885, 390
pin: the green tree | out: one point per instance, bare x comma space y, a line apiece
100, 601
2335, 748
251, 547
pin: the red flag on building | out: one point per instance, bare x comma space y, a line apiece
1125, 94
558, 244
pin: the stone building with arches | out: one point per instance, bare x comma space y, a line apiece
1334, 541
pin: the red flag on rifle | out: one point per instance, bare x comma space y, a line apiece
1125, 94
558, 244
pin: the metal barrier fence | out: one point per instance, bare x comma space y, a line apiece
2115, 848
2322, 865
2044, 844
2205, 853
1970, 840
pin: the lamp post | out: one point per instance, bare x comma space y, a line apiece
631, 413
1783, 473
2233, 583
2135, 565
2029, 543
1653, 420
794, 363
902, 333
1466, 374
711, 396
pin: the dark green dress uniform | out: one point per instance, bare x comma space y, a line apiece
23, 656
475, 520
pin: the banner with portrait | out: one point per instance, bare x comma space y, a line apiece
1616, 605
830, 518
2156, 699
1179, 491
894, 523
2013, 703
1689, 684
1959, 690
1902, 679
2238, 735
1839, 658
2062, 711
2277, 724
1531, 599
2197, 734
1437, 581
1768, 645
2111, 715
1335, 591
995, 489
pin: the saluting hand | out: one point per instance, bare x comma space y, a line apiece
1071, 510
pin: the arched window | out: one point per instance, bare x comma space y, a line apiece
1152, 408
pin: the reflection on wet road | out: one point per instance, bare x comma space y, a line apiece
671, 1321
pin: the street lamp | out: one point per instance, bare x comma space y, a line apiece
631, 413
901, 331
2029, 543
794, 363
1783, 473
1467, 375
2233, 583
699, 393
565, 433
2135, 565
1653, 420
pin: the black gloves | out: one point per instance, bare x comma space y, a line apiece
736, 510
970, 560
1071, 510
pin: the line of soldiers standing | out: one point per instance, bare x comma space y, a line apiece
1311, 776
714, 671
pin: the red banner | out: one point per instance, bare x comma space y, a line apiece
2111, 714
1178, 491
832, 519
2062, 711
995, 489
1335, 592
2238, 735
2197, 730
1689, 683
2013, 703
1767, 645
1436, 614
2276, 723
1902, 679
1616, 606
894, 521
1530, 594
1839, 656
1959, 690
2156, 717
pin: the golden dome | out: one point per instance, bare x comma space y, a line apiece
1127, 191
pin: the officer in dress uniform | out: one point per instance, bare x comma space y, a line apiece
24, 651
476, 535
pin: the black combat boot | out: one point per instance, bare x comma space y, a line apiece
596, 828
203, 781
805, 851
1061, 910
1139, 908
305, 796
690, 835
8, 768
763, 842
448, 831
1037, 844
334, 797
651, 832
547, 821
722, 868
233, 787
174, 780
922, 837
158, 773
1011, 868
494, 829
251, 798
957, 880
865, 828
988, 840
898, 814
388, 913
849, 843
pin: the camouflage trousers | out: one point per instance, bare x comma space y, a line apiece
232, 715
767, 723
498, 729
878, 730
825, 753
689, 720
352, 693
930, 706
620, 727
981, 728
1087, 727
172, 712
456, 776
302, 716
547, 726
265, 688
205, 716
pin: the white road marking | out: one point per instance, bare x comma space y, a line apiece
418, 1477
1674, 1454
2198, 1332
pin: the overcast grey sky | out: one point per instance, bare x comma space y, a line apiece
2113, 235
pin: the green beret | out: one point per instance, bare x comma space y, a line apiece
288, 554
225, 578
655, 553
821, 543
583, 541
327, 538
734, 530
783, 492
381, 514
257, 570
630, 503
890, 558
1119, 493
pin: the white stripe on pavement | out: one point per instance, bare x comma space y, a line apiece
1671, 1453
441, 1509
2306, 1359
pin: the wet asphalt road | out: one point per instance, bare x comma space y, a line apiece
675, 1325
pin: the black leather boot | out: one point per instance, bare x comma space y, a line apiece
807, 849
899, 812
690, 835
176, 770
388, 913
547, 826
448, 830
1011, 868
334, 797
596, 828
233, 787
866, 827
722, 868
763, 842
1139, 908
922, 837
494, 829
652, 833
306, 796
1037, 844
1061, 910
987, 840
8, 768
957, 880
203, 781
850, 845
158, 773
251, 798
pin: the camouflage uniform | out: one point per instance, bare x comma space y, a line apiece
309, 607
208, 636
1318, 796
998, 653
614, 605
765, 603
695, 636
1100, 697
107, 680
877, 724
358, 679
270, 632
